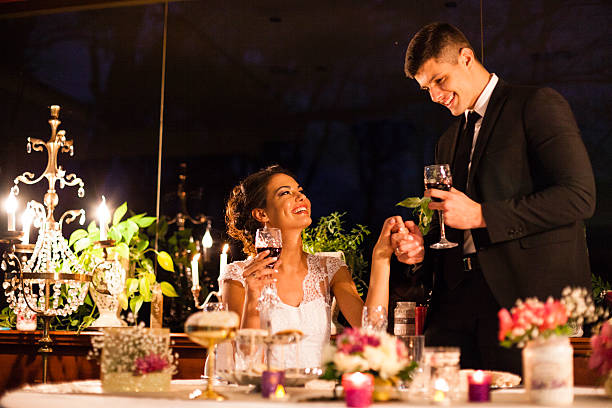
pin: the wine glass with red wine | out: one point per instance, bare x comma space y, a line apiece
269, 239
439, 176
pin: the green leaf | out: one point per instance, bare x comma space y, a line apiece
92, 227
114, 234
410, 202
123, 300
144, 222
123, 250
136, 303
145, 289
132, 286
119, 213
151, 277
168, 289
131, 228
147, 264
76, 235
141, 245
81, 244
165, 261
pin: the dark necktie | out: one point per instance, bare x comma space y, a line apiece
462, 153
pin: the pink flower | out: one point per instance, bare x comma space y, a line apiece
505, 323
601, 344
149, 364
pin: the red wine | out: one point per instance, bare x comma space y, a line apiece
439, 186
274, 252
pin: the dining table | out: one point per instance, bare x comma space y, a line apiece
89, 394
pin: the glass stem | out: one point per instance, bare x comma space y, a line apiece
442, 231
210, 366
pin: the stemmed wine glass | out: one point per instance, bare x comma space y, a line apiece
439, 176
269, 239
208, 328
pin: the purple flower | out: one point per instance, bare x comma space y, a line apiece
149, 364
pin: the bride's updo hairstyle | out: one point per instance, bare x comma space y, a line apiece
245, 197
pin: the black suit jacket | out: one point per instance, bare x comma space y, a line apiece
532, 175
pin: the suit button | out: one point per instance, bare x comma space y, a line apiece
511, 231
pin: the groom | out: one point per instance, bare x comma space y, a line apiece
523, 185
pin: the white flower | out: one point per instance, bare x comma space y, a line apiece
348, 363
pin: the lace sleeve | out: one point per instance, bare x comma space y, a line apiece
233, 271
332, 264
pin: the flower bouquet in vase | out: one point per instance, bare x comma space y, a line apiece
377, 353
134, 359
601, 358
542, 330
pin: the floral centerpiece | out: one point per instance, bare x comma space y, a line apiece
134, 359
542, 328
601, 357
378, 353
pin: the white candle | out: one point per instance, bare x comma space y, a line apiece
11, 207
223, 259
195, 274
26, 222
103, 218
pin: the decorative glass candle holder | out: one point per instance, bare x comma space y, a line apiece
445, 381
135, 359
479, 384
358, 388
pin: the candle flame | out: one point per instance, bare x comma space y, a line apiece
478, 377
103, 213
225, 248
280, 391
195, 258
441, 385
207, 241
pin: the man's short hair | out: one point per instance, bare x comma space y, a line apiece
441, 41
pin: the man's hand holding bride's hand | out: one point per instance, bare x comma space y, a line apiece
407, 242
260, 273
384, 248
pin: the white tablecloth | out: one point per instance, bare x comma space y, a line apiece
88, 394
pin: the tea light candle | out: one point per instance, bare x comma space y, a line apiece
195, 273
270, 380
11, 206
223, 259
479, 384
103, 218
440, 392
279, 395
358, 388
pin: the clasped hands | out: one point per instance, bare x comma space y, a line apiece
459, 211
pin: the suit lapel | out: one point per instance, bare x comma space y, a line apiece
448, 143
494, 107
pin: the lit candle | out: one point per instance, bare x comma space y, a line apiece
103, 218
195, 274
270, 380
11, 206
478, 386
223, 259
280, 394
441, 389
26, 222
358, 388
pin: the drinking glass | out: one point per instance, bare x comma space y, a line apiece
374, 318
211, 307
269, 239
208, 328
439, 176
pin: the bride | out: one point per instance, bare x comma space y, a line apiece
305, 283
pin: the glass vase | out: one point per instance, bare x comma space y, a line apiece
548, 371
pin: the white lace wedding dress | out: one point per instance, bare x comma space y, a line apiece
311, 316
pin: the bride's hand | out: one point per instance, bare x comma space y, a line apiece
259, 273
384, 247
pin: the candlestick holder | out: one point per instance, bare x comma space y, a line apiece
108, 281
45, 278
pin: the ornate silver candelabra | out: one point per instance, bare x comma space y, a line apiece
46, 277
